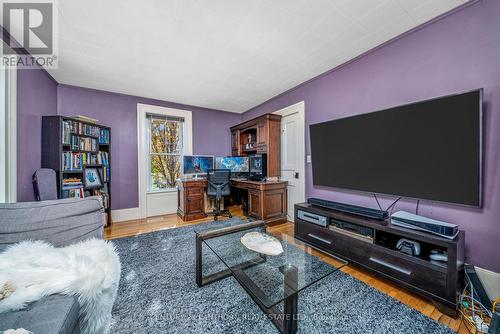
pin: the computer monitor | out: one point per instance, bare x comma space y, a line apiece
237, 165
197, 164
258, 165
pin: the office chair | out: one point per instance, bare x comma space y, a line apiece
218, 186
45, 184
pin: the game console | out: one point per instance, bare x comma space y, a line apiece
415, 222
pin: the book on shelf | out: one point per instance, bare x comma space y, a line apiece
103, 159
73, 193
66, 133
76, 161
99, 192
80, 128
105, 197
71, 127
83, 143
103, 136
72, 188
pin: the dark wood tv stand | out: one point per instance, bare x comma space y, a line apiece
440, 282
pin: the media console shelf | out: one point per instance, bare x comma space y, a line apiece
439, 281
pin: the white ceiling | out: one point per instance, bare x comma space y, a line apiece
223, 54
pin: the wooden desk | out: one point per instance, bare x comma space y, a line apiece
191, 199
266, 200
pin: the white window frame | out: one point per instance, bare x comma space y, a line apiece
8, 131
143, 150
149, 153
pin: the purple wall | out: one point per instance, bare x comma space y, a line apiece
36, 97
457, 53
210, 132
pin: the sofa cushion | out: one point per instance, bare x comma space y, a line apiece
54, 314
60, 222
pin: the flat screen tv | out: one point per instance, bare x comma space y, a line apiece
426, 150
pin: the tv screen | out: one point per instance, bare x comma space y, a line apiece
425, 150
197, 164
235, 164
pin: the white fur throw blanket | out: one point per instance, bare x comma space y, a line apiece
89, 270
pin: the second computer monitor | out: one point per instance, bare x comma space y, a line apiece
258, 165
237, 165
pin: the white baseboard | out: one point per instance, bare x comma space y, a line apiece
490, 280
125, 214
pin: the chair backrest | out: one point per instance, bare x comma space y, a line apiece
45, 184
218, 178
60, 222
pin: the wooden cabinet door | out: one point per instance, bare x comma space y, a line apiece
261, 134
235, 140
254, 204
274, 204
274, 148
194, 205
194, 201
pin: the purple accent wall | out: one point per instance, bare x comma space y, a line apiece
36, 97
210, 132
457, 53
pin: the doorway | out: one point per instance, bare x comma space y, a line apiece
293, 154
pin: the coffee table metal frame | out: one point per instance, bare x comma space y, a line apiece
286, 320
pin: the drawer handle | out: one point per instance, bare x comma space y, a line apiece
390, 265
319, 238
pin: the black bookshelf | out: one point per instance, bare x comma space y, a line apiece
69, 145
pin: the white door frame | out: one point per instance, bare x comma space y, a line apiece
300, 109
142, 147
8, 130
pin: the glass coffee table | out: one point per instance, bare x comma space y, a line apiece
269, 280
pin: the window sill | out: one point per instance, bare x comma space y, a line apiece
172, 190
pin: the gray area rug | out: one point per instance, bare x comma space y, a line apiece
158, 294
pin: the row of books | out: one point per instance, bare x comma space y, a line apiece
81, 128
103, 159
103, 136
104, 195
76, 161
72, 188
83, 143
70, 128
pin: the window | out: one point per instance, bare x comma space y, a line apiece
165, 151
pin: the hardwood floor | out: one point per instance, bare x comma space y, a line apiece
135, 227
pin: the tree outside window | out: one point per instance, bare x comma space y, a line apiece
165, 151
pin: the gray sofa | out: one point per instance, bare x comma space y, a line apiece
60, 222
